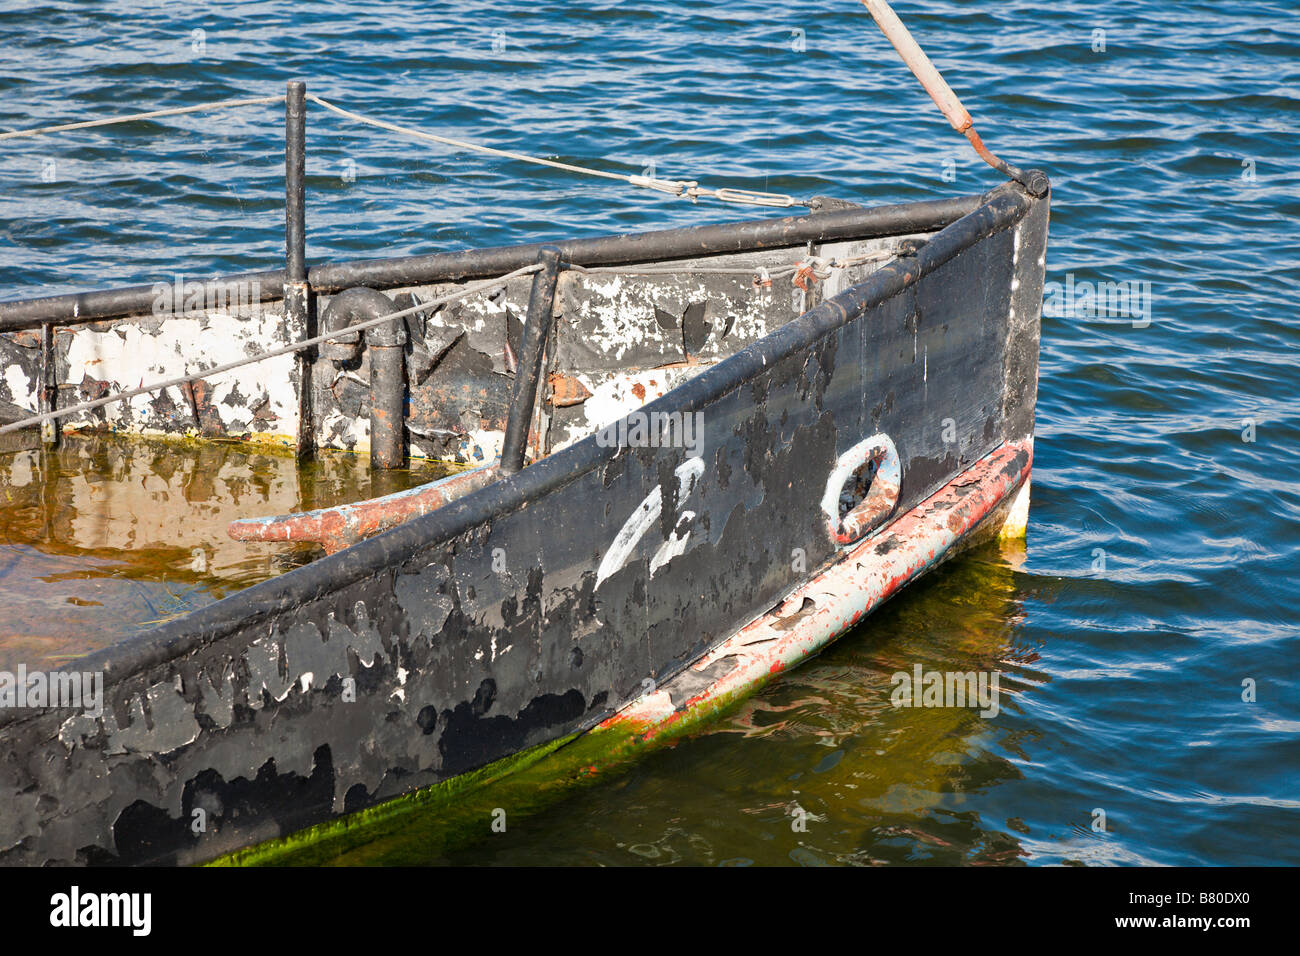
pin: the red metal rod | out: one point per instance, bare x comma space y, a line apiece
344, 525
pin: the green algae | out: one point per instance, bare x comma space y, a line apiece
426, 824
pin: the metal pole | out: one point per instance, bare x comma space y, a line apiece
537, 329
297, 294
944, 98
48, 395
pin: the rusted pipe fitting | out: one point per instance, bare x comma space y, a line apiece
1036, 183
387, 348
348, 308
387, 406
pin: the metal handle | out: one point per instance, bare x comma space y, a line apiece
881, 498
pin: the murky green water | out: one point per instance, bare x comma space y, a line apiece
105, 536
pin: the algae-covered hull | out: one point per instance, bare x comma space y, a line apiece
716, 436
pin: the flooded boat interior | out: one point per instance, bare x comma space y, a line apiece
106, 535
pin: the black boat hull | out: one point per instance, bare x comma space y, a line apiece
541, 605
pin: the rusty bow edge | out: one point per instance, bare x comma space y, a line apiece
815, 614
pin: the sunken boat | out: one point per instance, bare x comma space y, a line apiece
688, 460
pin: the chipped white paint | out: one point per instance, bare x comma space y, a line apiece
132, 353
616, 313
616, 394
644, 517
336, 430
480, 445
21, 387
676, 543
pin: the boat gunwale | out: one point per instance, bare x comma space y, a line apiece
1000, 209
662, 245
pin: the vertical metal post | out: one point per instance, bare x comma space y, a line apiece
47, 396
297, 295
537, 329
387, 348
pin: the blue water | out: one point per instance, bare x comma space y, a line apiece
1160, 571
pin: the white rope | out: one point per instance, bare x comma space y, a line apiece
262, 356
689, 189
685, 188
152, 114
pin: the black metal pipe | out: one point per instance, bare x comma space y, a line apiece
387, 406
295, 163
78, 307
662, 245
48, 397
537, 331
386, 344
297, 293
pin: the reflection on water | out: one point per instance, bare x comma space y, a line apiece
874, 783
107, 535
